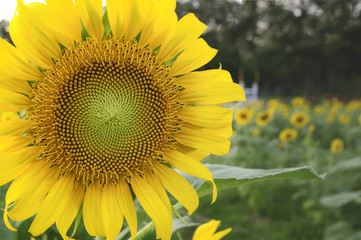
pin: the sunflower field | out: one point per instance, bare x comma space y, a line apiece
119, 122
283, 134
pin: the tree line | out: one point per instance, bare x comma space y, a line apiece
307, 47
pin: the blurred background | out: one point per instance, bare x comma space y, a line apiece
300, 61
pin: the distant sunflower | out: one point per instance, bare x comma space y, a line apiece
353, 105
207, 231
264, 117
311, 128
336, 146
319, 110
332, 115
344, 119
288, 135
298, 102
109, 108
299, 119
243, 116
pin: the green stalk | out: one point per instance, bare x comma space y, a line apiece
150, 226
99, 238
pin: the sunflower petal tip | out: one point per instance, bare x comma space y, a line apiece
7, 222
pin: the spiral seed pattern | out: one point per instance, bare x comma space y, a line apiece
105, 110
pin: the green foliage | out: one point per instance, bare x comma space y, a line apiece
228, 176
294, 209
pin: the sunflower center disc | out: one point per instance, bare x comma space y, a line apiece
105, 110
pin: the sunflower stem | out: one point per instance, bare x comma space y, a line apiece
149, 227
142, 232
99, 238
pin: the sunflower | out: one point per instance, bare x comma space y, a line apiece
243, 116
288, 135
112, 102
207, 231
319, 110
332, 115
299, 119
278, 106
353, 105
336, 146
311, 128
344, 119
264, 117
298, 102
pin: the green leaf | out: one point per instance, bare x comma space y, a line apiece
5, 233
340, 199
178, 224
105, 20
341, 231
229, 176
84, 32
345, 165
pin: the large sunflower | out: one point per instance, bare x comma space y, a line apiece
112, 101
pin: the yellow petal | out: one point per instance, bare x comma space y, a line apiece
14, 127
62, 20
197, 54
61, 204
14, 158
6, 176
187, 30
183, 160
207, 116
92, 213
161, 21
73, 202
91, 12
126, 18
14, 64
112, 214
14, 84
219, 235
204, 77
213, 141
199, 84
127, 206
12, 102
13, 143
191, 152
6, 116
178, 186
206, 230
42, 46
30, 189
213, 93
21, 184
149, 193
